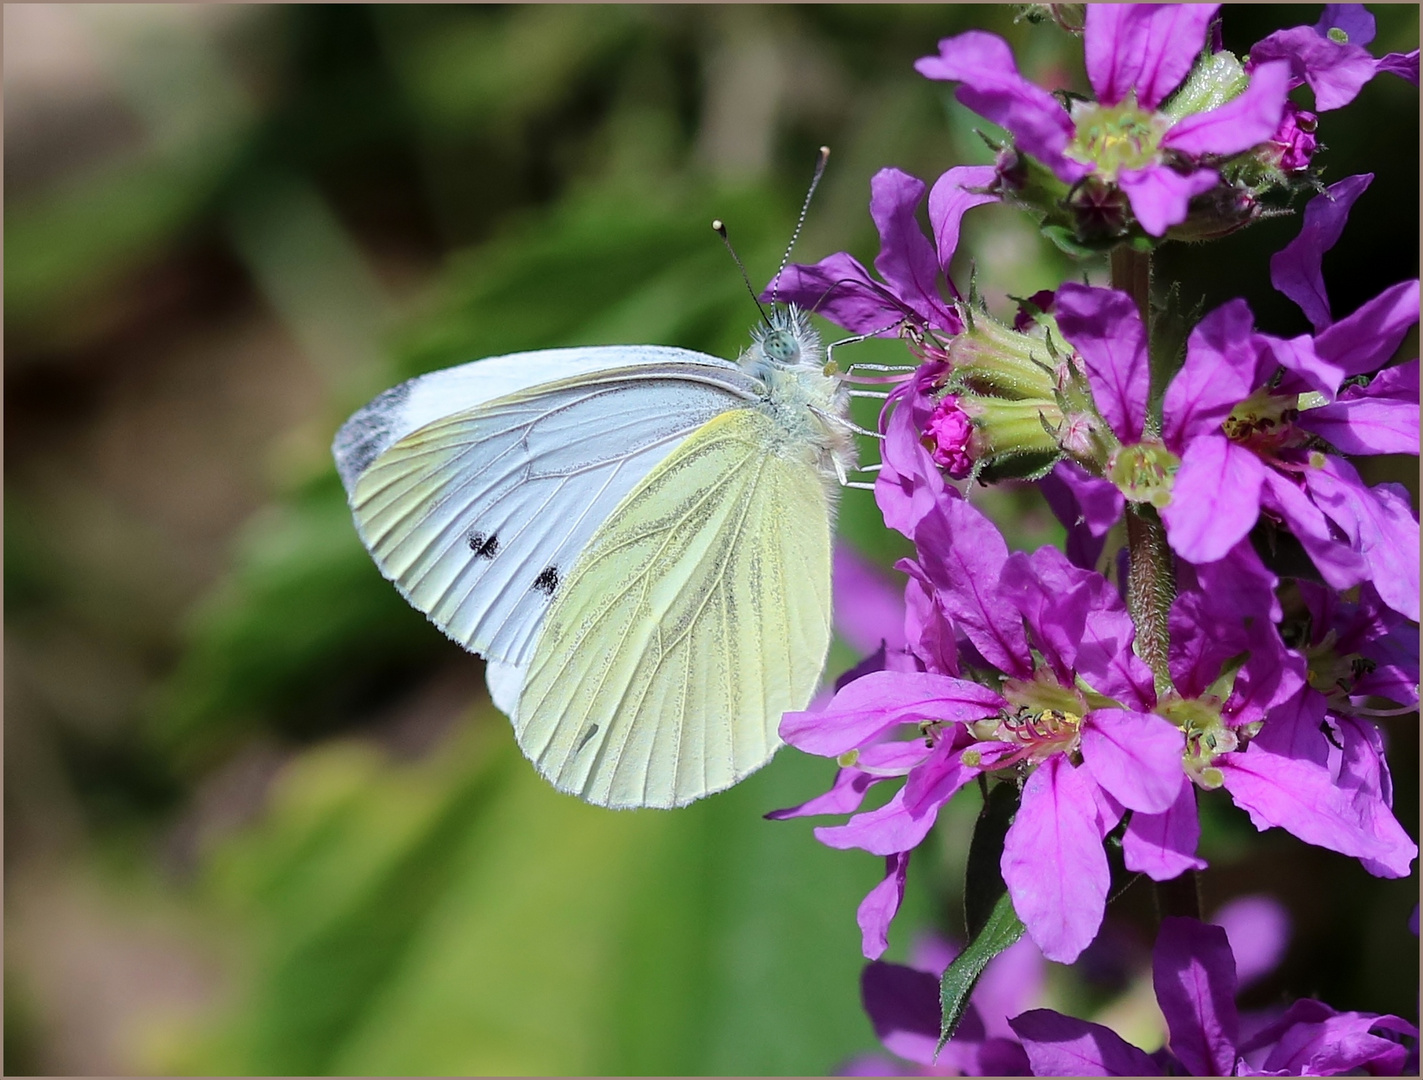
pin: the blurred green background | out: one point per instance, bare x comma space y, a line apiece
259, 815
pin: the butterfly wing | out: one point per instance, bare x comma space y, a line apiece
477, 511
438, 394
696, 616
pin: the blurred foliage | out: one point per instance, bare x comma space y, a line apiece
407, 187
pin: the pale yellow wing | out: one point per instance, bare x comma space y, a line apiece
698, 613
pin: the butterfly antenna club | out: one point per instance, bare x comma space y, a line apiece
719, 227
820, 163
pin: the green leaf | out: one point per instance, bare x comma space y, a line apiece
992, 923
983, 880
1002, 929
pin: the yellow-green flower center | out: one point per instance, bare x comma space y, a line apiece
1143, 472
1116, 137
1333, 673
1207, 736
1264, 421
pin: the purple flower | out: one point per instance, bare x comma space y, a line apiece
1137, 55
1235, 440
914, 269
1053, 860
1195, 979
903, 1005
1075, 708
1259, 734
1330, 56
1293, 144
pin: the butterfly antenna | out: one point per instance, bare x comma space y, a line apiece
720, 227
804, 209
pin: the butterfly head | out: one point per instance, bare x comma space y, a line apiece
786, 340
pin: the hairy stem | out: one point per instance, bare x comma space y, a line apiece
1151, 588
1151, 576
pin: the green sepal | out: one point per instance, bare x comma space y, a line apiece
1066, 241
1028, 466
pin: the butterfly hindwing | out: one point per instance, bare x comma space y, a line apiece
477, 513
695, 617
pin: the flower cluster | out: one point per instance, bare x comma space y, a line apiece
1197, 969
1235, 606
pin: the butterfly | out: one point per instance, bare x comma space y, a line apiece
636, 538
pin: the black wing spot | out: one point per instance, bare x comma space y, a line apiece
547, 580
484, 547
585, 739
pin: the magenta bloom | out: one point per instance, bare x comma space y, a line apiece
1330, 56
1137, 55
1238, 440
1075, 707
915, 271
1195, 979
1053, 860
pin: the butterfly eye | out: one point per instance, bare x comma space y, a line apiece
781, 346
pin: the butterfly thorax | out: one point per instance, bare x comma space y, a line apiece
809, 407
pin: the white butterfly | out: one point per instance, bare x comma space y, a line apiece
637, 538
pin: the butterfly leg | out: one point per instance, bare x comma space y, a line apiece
848, 425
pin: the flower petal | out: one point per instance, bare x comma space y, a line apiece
1404, 65
1148, 48
1353, 19
909, 484
1338, 563
1135, 756
904, 821
1053, 862
1363, 342
1335, 72
1215, 499
1301, 798
949, 199
1242, 122
1160, 196
1087, 506
1296, 269
1193, 972
906, 259
992, 87
1163, 846
1218, 374
1060, 1045
841, 290
903, 1007
868, 707
1103, 325
1379, 523
1381, 418
1311, 1039
844, 797
962, 554
878, 908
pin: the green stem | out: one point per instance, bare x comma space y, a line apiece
1151, 574
1151, 589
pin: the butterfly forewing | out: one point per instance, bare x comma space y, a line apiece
695, 617
478, 515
